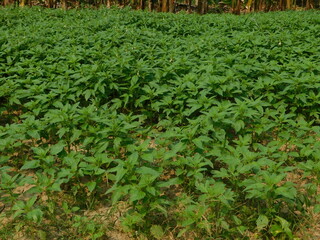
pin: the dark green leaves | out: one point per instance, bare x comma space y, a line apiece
201, 126
31, 164
57, 148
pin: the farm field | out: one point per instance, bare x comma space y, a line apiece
118, 124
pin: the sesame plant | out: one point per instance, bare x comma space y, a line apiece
204, 127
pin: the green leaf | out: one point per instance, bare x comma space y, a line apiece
172, 181
225, 225
117, 194
91, 186
17, 213
4, 159
290, 192
198, 143
75, 135
35, 215
57, 148
136, 194
34, 134
147, 157
120, 173
31, 164
316, 208
262, 222
236, 220
182, 232
276, 230
238, 125
285, 226
75, 209
62, 131
39, 151
133, 158
149, 171
42, 235
31, 201
56, 187
157, 231
188, 222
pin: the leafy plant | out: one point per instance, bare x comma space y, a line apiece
178, 125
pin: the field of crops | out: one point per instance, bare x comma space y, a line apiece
120, 125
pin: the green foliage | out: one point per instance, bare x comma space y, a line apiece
199, 124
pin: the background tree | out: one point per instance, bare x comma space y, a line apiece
199, 6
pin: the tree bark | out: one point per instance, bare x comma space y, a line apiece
309, 4
189, 5
64, 4
22, 3
165, 6
135, 4
238, 7
202, 6
150, 5
7, 2
50, 4
142, 4
171, 6
199, 6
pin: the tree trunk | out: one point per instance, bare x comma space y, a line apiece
165, 6
238, 7
288, 4
171, 6
141, 4
7, 2
64, 4
309, 4
22, 3
50, 4
202, 6
189, 5
205, 6
262, 5
135, 4
199, 6
255, 5
150, 5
